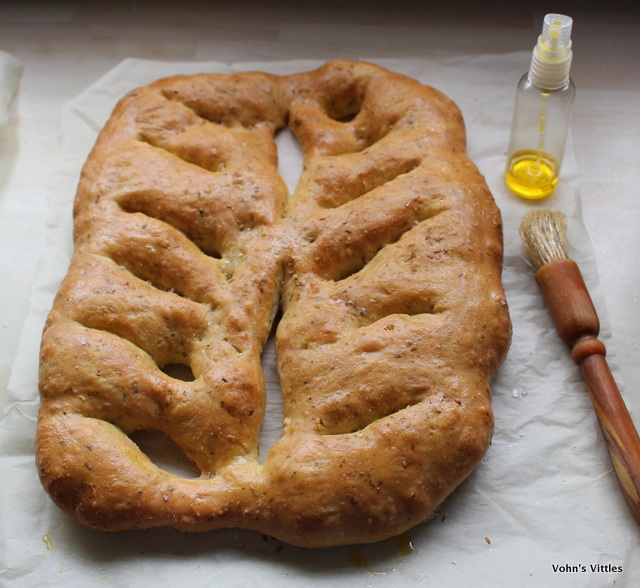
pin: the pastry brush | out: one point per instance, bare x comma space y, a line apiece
567, 298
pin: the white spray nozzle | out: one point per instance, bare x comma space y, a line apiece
556, 32
552, 54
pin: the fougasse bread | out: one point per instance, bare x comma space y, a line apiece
381, 274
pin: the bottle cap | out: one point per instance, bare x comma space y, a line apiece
551, 59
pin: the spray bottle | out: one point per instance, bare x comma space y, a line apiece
542, 113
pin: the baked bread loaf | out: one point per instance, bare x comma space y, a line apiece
382, 274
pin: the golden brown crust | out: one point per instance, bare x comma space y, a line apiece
386, 267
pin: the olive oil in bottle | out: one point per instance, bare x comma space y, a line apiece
542, 113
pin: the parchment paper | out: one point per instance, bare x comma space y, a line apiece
10, 72
542, 509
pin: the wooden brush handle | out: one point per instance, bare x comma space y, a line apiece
576, 320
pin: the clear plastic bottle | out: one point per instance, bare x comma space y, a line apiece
542, 113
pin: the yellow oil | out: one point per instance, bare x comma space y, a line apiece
532, 174
48, 541
404, 545
357, 559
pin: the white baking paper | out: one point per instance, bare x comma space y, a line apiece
10, 72
542, 509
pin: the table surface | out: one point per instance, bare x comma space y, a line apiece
65, 46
